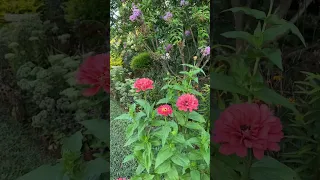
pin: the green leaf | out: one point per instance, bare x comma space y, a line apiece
274, 55
164, 154
173, 174
139, 115
165, 133
251, 12
220, 171
240, 35
195, 175
162, 101
163, 168
272, 33
269, 96
205, 177
95, 168
123, 117
269, 168
193, 125
296, 31
73, 143
140, 169
195, 156
180, 159
180, 118
144, 104
129, 157
47, 172
196, 117
131, 140
206, 156
225, 83
97, 127
131, 128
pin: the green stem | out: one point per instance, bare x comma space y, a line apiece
248, 163
256, 65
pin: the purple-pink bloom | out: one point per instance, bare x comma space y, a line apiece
136, 12
206, 51
168, 16
187, 32
184, 3
168, 48
133, 17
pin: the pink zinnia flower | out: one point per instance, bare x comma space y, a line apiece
164, 110
143, 84
187, 102
95, 71
243, 126
123, 179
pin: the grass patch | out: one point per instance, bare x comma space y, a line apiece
117, 141
20, 152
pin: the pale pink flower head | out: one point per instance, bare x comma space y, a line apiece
164, 110
143, 84
168, 16
187, 102
244, 126
95, 71
206, 51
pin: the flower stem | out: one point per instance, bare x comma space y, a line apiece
248, 163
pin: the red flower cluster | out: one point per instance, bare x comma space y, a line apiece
95, 71
243, 126
143, 84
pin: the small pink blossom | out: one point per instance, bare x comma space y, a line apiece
143, 84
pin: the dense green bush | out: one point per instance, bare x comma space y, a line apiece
141, 61
87, 10
19, 6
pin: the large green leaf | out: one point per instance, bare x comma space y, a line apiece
99, 128
196, 117
274, 55
163, 168
269, 168
73, 143
195, 175
123, 117
47, 172
240, 35
180, 159
269, 96
273, 32
220, 171
225, 83
251, 12
296, 31
165, 130
164, 154
95, 168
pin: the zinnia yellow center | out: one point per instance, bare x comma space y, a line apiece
164, 109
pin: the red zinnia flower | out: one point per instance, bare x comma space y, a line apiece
243, 126
95, 71
164, 110
143, 84
187, 102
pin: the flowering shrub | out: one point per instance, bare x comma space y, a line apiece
169, 141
